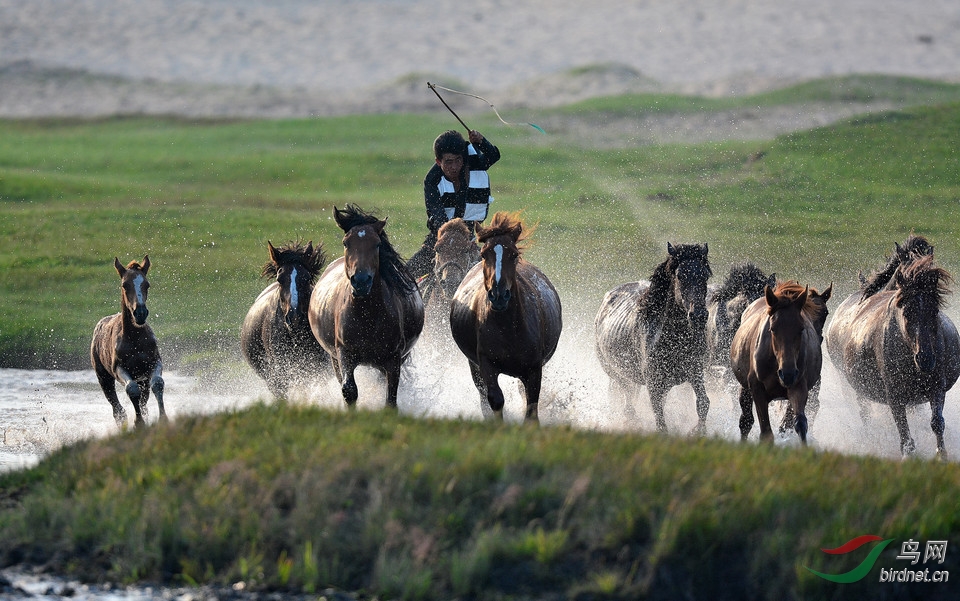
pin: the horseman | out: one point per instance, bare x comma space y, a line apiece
456, 186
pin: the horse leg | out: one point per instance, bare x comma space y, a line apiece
156, 385
348, 384
531, 386
392, 372
746, 412
762, 405
108, 385
485, 409
494, 394
657, 394
907, 446
137, 393
937, 424
796, 403
703, 406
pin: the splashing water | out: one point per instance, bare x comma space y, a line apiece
40, 411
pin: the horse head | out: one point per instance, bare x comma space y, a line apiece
744, 284
361, 251
295, 268
786, 324
133, 287
921, 290
456, 252
691, 270
500, 254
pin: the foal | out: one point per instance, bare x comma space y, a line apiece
124, 348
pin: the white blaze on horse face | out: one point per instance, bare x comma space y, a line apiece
138, 288
293, 289
498, 266
361, 233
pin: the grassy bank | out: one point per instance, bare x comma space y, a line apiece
294, 498
202, 198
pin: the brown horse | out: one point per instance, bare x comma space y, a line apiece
506, 316
776, 354
124, 348
898, 348
456, 252
653, 332
366, 309
275, 338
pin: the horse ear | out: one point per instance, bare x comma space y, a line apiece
706, 249
771, 297
309, 250
145, 266
515, 232
671, 250
272, 251
339, 217
801, 299
825, 295
378, 226
119, 266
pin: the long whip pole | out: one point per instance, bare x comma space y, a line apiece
434, 87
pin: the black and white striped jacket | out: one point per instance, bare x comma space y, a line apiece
443, 203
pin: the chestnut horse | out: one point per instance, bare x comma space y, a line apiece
456, 252
506, 316
776, 354
275, 338
897, 347
654, 332
124, 348
365, 308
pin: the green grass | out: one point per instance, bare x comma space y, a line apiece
299, 498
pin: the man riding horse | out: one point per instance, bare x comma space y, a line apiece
456, 186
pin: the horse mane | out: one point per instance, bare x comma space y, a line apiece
296, 252
655, 298
790, 290
392, 268
923, 275
503, 224
135, 265
744, 278
453, 231
913, 247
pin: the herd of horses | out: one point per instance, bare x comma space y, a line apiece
890, 340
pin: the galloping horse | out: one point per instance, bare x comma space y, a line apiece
276, 339
456, 252
124, 348
744, 284
776, 354
913, 248
506, 316
898, 348
654, 332
365, 309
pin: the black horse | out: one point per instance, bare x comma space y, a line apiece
654, 333
744, 284
276, 339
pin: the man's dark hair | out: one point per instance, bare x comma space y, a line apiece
449, 142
